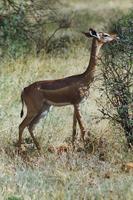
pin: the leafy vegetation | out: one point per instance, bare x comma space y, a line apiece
118, 77
50, 26
27, 24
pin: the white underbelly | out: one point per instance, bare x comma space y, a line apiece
44, 114
58, 104
46, 111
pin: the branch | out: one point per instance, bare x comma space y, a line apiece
52, 35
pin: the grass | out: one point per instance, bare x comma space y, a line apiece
69, 175
94, 174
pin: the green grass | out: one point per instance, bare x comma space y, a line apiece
94, 175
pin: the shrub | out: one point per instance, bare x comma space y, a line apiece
27, 24
118, 76
13, 34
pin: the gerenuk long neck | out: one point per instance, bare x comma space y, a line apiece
89, 73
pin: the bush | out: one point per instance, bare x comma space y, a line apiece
62, 42
118, 76
13, 34
27, 24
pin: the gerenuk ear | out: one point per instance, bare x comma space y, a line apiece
93, 33
87, 34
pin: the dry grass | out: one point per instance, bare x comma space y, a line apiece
100, 4
62, 173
